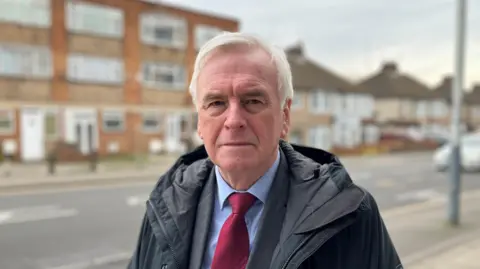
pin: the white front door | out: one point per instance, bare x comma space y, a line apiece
173, 132
85, 133
32, 134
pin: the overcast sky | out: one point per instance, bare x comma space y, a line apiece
353, 37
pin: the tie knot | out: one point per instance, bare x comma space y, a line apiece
241, 202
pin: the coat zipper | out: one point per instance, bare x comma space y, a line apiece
165, 234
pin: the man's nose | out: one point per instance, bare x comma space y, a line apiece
235, 116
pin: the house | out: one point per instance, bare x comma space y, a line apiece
472, 100
443, 91
402, 102
327, 110
98, 75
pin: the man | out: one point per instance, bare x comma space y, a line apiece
248, 199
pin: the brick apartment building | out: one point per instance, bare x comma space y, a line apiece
97, 75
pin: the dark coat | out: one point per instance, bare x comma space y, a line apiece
314, 217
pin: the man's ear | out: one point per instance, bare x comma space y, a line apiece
286, 118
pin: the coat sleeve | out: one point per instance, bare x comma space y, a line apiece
378, 249
145, 241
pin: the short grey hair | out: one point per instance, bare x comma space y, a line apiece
279, 58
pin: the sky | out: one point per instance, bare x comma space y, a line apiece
354, 37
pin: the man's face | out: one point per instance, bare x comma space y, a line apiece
240, 118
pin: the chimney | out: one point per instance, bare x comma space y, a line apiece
447, 80
476, 87
390, 68
296, 50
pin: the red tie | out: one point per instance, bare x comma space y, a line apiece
233, 245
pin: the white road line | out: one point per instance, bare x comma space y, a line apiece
97, 261
136, 200
36, 213
420, 195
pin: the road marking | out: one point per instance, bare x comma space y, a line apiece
137, 200
97, 261
420, 195
28, 214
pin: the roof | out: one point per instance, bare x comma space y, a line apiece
473, 98
309, 75
444, 91
389, 82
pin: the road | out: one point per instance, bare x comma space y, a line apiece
97, 228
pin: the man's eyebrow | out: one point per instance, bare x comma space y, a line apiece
211, 96
254, 93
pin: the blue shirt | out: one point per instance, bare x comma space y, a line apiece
223, 209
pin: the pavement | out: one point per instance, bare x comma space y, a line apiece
35, 177
95, 227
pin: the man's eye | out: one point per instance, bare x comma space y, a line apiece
252, 102
216, 104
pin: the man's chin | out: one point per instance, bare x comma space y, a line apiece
236, 164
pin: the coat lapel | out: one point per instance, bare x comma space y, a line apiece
202, 223
271, 219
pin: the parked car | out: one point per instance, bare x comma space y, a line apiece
470, 154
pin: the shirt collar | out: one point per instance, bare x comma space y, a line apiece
260, 189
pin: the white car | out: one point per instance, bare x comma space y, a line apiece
470, 154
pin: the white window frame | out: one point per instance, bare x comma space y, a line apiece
318, 102
371, 134
422, 109
149, 22
320, 137
150, 70
115, 115
152, 114
98, 70
26, 61
35, 13
203, 33
10, 116
298, 101
94, 19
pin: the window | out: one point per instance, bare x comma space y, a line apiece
163, 30
113, 121
422, 109
83, 68
94, 19
318, 102
319, 137
19, 60
297, 101
336, 103
164, 75
7, 122
439, 109
351, 103
26, 12
152, 122
372, 134
203, 33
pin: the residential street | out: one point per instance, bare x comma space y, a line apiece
97, 228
